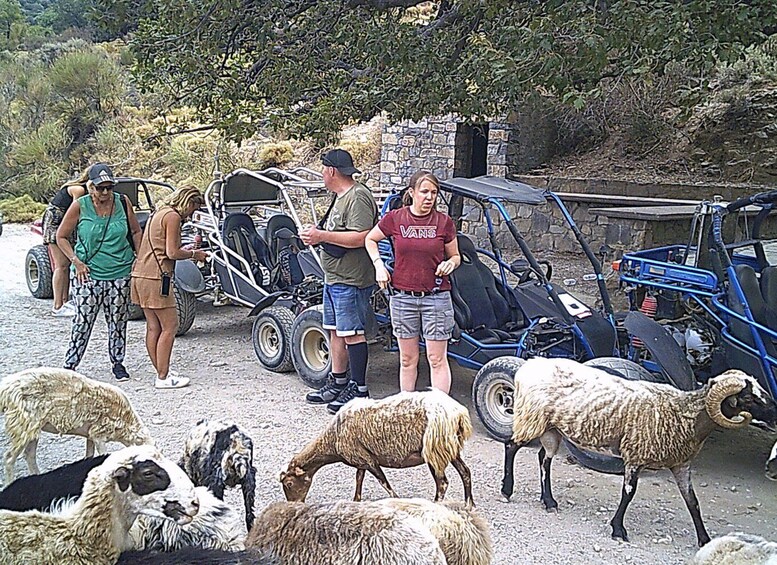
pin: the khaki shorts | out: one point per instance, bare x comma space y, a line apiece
429, 316
146, 293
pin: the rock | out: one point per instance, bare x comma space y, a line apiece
218, 363
597, 548
157, 421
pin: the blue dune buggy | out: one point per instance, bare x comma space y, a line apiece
717, 293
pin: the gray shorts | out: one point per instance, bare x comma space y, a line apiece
428, 316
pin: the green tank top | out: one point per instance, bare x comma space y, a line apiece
108, 257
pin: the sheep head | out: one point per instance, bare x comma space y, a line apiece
296, 483
734, 399
238, 460
150, 483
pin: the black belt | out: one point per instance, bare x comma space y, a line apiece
420, 293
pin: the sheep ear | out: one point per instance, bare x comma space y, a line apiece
122, 478
732, 401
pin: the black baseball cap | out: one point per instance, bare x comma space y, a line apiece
341, 160
100, 173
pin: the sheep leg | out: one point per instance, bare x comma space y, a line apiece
357, 497
10, 460
89, 448
29, 456
100, 446
630, 477
441, 483
466, 480
682, 476
550, 443
377, 472
511, 448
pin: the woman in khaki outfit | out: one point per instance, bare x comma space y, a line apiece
160, 247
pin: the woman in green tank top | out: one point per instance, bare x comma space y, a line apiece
108, 232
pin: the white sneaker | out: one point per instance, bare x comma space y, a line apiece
172, 381
62, 312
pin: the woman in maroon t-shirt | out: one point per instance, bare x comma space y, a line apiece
425, 253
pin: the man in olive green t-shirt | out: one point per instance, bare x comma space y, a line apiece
349, 278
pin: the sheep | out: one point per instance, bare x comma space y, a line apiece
343, 533
94, 531
192, 556
403, 430
737, 549
771, 464
220, 454
651, 426
215, 526
64, 402
463, 535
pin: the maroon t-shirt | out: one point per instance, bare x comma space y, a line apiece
419, 246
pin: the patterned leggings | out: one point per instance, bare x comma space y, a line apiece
113, 296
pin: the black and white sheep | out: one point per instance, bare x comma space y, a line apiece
651, 426
343, 533
403, 430
220, 454
771, 464
64, 402
216, 525
737, 549
462, 533
94, 531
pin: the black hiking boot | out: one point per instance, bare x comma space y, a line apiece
327, 393
350, 392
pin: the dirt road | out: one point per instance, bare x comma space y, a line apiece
228, 382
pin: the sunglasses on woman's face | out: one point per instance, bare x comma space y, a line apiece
103, 187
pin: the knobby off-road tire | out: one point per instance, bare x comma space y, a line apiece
625, 369
37, 271
271, 336
186, 307
492, 395
134, 312
310, 347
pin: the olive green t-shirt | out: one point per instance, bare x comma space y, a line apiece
354, 210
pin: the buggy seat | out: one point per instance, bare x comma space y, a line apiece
240, 235
285, 244
482, 306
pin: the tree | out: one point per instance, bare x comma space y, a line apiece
308, 67
10, 13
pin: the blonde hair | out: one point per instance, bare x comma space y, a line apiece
415, 181
78, 181
183, 197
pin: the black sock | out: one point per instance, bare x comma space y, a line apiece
341, 379
357, 358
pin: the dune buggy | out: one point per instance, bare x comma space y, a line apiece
501, 308
142, 193
250, 225
716, 294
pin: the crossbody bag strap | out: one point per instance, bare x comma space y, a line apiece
105, 231
151, 245
325, 217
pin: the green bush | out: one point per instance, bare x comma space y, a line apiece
21, 209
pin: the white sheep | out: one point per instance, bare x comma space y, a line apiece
94, 531
651, 426
403, 430
462, 533
64, 402
737, 549
771, 464
343, 533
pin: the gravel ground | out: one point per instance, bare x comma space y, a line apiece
228, 382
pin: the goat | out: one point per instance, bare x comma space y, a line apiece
94, 531
343, 533
218, 455
215, 526
403, 430
651, 426
64, 402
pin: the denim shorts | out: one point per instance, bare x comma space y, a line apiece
347, 309
428, 316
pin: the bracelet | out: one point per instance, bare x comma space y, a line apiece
377, 259
192, 257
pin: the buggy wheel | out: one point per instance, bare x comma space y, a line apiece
134, 312
186, 307
625, 369
492, 395
310, 348
37, 271
271, 336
